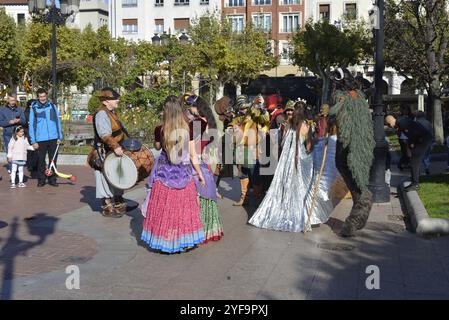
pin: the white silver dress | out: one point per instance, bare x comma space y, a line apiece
291, 197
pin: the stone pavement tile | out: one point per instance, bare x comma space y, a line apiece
418, 296
337, 276
441, 246
424, 275
292, 277
388, 291
248, 275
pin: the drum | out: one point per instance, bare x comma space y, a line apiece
124, 172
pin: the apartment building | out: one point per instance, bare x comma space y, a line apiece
93, 12
142, 19
279, 18
336, 11
17, 9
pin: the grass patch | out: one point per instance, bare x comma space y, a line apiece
393, 139
76, 150
434, 194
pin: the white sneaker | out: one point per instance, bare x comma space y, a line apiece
22, 185
13, 185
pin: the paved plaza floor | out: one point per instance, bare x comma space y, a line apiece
45, 230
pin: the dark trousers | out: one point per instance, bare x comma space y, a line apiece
405, 160
6, 140
362, 200
45, 147
418, 152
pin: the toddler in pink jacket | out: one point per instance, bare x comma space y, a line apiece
17, 155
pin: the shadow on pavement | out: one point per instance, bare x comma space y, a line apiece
39, 225
88, 197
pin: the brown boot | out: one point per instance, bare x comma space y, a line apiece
108, 210
120, 205
244, 196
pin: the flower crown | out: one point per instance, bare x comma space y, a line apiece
301, 100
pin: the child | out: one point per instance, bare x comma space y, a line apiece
17, 154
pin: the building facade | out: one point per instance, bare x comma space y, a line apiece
336, 11
93, 12
279, 18
142, 19
16, 9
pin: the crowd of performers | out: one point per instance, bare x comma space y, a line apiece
298, 164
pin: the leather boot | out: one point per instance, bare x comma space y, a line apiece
119, 205
244, 183
107, 209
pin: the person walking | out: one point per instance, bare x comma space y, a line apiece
404, 162
421, 119
45, 133
32, 156
419, 140
11, 116
17, 155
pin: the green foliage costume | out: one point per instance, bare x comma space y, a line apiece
354, 154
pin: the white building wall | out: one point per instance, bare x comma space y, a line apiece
337, 9
94, 12
13, 11
146, 12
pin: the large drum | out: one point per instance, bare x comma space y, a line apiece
124, 172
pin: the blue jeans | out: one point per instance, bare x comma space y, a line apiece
426, 158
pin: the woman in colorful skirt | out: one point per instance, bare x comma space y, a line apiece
203, 121
172, 214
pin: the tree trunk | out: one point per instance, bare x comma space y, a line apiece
220, 91
436, 110
325, 88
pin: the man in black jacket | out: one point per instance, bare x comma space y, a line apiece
419, 141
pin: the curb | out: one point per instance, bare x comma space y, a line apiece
422, 224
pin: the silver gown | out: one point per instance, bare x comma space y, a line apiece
291, 196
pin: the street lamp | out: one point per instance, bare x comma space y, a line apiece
184, 39
377, 185
55, 16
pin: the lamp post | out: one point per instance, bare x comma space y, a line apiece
377, 185
56, 16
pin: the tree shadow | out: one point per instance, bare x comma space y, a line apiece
39, 225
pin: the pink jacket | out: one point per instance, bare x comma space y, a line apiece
17, 149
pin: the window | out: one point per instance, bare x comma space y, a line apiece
285, 51
181, 24
159, 25
21, 18
204, 2
289, 2
235, 3
290, 22
129, 26
237, 23
182, 2
262, 20
325, 12
158, 3
351, 11
261, 2
129, 3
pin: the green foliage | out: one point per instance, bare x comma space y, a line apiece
152, 97
140, 122
321, 46
356, 132
433, 194
9, 51
224, 56
94, 103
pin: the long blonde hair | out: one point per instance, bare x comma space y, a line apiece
175, 129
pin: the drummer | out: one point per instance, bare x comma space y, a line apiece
109, 133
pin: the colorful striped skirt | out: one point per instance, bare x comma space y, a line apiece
213, 228
172, 222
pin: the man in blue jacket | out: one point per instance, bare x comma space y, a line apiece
45, 133
11, 116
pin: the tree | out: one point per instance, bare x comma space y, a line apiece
321, 46
224, 56
9, 51
416, 40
